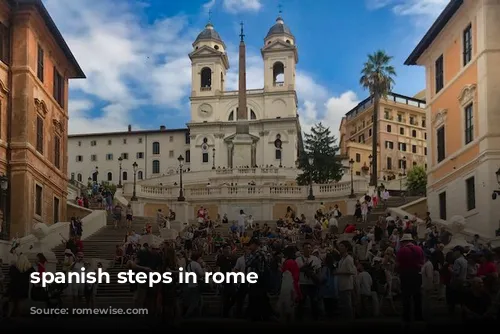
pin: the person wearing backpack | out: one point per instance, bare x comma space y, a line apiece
309, 281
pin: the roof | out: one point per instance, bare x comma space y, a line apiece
434, 31
127, 133
209, 33
54, 31
397, 98
279, 28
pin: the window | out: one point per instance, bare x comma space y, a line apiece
361, 139
402, 147
79, 158
402, 131
402, 163
425, 150
140, 175
38, 200
205, 157
58, 88
170, 154
358, 157
39, 69
156, 147
442, 205
389, 129
93, 157
414, 133
124, 140
109, 142
4, 44
139, 140
425, 135
414, 163
125, 156
171, 139
188, 138
93, 143
188, 156
369, 132
469, 126
389, 145
412, 120
79, 143
389, 163
140, 155
277, 154
156, 166
470, 189
441, 151
413, 148
56, 210
57, 152
79, 177
109, 156
110, 176
39, 134
467, 40
423, 123
400, 118
124, 176
206, 78
439, 75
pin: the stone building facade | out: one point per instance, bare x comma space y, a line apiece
35, 65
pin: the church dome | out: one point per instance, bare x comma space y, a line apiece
279, 28
208, 34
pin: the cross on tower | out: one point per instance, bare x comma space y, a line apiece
209, 15
280, 11
242, 34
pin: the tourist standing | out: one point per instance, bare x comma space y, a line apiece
345, 279
241, 223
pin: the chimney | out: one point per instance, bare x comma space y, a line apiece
163, 127
129, 128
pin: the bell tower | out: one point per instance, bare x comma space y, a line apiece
209, 63
280, 58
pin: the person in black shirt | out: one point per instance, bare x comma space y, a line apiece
225, 263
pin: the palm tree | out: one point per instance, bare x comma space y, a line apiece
377, 76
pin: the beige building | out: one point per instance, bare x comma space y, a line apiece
401, 138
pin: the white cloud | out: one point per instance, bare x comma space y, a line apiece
238, 6
422, 12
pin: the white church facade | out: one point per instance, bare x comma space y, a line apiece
210, 141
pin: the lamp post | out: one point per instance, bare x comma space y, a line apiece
181, 192
351, 171
311, 194
213, 158
402, 176
120, 159
371, 162
4, 185
134, 166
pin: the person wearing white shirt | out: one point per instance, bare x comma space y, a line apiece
241, 222
194, 300
427, 285
309, 266
346, 270
333, 225
250, 222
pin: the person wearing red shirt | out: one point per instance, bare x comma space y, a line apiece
409, 261
350, 228
487, 266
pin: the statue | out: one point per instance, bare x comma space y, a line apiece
457, 226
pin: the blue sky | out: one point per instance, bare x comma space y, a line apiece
135, 53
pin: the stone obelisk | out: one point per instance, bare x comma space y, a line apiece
242, 142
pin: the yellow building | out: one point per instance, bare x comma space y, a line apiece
461, 58
401, 138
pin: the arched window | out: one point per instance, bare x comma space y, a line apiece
156, 147
124, 176
206, 78
156, 166
72, 176
252, 115
79, 177
231, 116
139, 175
110, 176
278, 74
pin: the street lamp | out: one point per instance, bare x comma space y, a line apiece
213, 158
351, 168
120, 159
4, 185
311, 194
181, 192
371, 163
134, 166
498, 176
404, 166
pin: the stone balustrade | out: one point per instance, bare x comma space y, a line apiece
339, 189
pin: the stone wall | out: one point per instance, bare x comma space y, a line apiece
76, 211
419, 207
150, 209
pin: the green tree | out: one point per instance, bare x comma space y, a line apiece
320, 145
416, 181
377, 76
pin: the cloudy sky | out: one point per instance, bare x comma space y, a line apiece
135, 53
